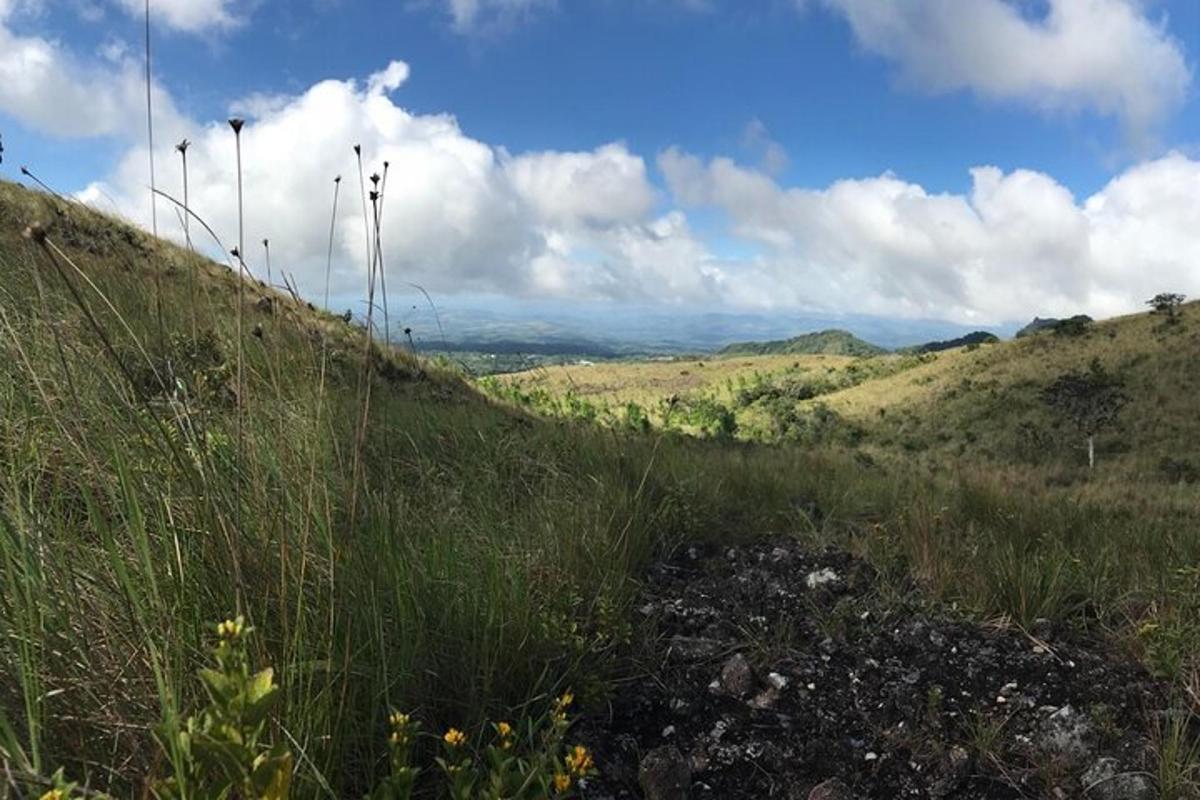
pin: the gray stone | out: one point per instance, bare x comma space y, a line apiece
820, 578
765, 699
665, 774
736, 676
832, 790
1104, 780
1069, 734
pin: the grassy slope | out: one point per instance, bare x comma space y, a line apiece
974, 402
473, 561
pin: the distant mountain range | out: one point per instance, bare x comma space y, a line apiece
605, 330
828, 342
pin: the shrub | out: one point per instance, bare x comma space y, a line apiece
1179, 470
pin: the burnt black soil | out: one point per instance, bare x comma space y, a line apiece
891, 695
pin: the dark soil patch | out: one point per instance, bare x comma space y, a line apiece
894, 698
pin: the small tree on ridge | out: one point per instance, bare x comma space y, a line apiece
1167, 303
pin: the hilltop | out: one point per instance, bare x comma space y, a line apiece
831, 342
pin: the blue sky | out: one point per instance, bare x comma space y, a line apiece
777, 141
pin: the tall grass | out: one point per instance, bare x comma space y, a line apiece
486, 556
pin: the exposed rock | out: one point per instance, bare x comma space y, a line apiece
665, 774
765, 699
1069, 734
736, 676
848, 671
1105, 780
820, 578
832, 789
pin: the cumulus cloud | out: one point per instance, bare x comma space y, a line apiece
1102, 55
1017, 244
459, 215
601, 187
45, 86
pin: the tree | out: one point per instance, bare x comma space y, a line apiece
1091, 401
1167, 303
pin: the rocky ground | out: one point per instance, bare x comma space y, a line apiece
779, 672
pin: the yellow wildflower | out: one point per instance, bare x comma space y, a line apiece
561, 705
231, 628
399, 720
506, 734
455, 738
54, 794
579, 760
562, 782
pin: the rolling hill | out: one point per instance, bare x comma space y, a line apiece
829, 342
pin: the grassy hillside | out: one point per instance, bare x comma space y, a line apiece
985, 403
398, 541
830, 342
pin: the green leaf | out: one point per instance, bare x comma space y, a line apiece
217, 682
261, 695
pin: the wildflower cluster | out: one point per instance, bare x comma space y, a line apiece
398, 785
224, 751
526, 761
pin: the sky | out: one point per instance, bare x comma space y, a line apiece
975, 161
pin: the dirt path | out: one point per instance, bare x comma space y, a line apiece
783, 673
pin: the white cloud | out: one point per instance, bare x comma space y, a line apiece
43, 85
1103, 55
191, 16
459, 214
1017, 245
601, 187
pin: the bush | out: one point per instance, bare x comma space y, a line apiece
1179, 470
